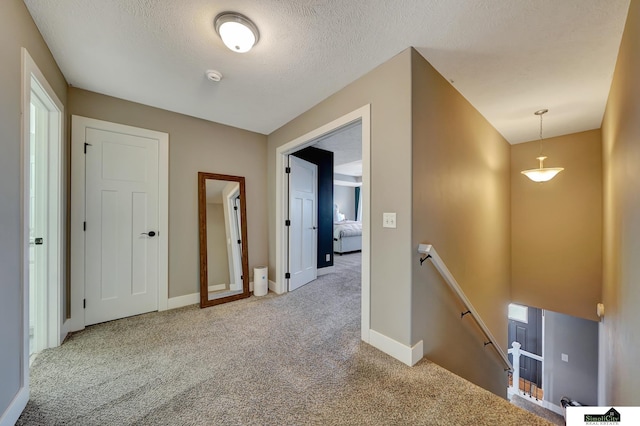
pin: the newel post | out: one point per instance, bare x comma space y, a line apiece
516, 365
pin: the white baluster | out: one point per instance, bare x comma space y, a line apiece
516, 366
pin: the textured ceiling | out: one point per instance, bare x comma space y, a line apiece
509, 58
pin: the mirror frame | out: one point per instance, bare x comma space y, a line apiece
202, 219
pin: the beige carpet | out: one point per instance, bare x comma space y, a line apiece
295, 359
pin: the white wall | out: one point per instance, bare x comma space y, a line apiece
345, 198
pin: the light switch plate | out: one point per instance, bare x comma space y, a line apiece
388, 220
327, 257
565, 357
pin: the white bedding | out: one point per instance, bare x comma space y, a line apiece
346, 228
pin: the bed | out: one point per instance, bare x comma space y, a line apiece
347, 236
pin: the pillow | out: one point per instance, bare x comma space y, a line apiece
340, 217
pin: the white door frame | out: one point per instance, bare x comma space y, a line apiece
363, 114
34, 80
32, 74
79, 125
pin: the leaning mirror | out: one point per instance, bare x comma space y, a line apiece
222, 217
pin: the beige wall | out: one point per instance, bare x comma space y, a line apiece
556, 244
461, 206
17, 30
388, 89
621, 159
217, 254
194, 145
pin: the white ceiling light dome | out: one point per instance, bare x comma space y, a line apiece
237, 31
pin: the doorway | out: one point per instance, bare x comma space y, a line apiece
525, 327
282, 247
119, 221
43, 214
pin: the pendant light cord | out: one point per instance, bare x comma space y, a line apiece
540, 135
541, 113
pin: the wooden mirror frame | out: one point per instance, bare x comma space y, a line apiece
202, 219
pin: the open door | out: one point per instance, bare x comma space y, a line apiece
303, 228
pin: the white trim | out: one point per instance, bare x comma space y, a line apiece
272, 286
602, 365
186, 300
280, 285
216, 287
409, 355
553, 407
163, 219
55, 193
15, 408
79, 124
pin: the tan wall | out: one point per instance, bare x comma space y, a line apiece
217, 254
17, 30
194, 145
621, 159
388, 89
556, 244
461, 206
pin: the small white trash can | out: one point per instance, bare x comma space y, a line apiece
260, 280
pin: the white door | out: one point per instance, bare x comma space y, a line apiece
121, 237
303, 233
38, 238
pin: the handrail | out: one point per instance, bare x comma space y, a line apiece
525, 353
430, 253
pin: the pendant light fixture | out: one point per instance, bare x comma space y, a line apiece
237, 31
542, 174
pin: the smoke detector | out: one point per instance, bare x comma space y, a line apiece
214, 75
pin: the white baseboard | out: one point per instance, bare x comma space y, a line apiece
273, 287
217, 287
545, 404
15, 408
406, 354
180, 301
250, 286
553, 407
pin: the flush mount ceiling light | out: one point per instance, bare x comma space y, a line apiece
237, 31
542, 174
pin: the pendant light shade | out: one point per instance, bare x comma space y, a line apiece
237, 31
542, 174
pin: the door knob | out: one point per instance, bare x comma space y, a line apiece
149, 234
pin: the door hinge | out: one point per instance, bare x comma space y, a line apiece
84, 303
287, 276
239, 241
287, 222
85, 146
235, 207
84, 226
287, 169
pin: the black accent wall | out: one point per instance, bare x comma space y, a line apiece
324, 160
